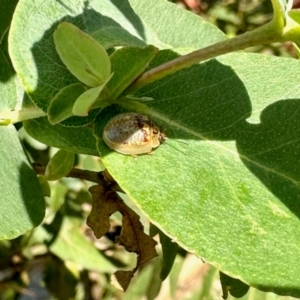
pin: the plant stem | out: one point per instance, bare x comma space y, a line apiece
263, 35
102, 178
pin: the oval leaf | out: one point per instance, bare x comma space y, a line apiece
234, 192
60, 165
84, 57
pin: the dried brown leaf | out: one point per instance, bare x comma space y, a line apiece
132, 236
124, 277
102, 209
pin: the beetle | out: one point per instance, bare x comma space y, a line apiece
132, 133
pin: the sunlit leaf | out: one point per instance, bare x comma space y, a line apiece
88, 99
86, 59
21, 194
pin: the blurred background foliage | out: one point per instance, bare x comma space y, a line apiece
61, 259
235, 17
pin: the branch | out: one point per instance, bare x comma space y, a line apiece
263, 35
92, 176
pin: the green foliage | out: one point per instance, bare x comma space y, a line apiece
59, 165
86, 59
22, 203
225, 184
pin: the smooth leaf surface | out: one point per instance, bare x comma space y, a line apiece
22, 202
114, 36
84, 57
188, 31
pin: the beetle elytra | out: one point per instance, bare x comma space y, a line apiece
132, 133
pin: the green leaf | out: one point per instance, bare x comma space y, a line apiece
35, 58
22, 202
77, 140
61, 105
115, 35
147, 284
200, 32
229, 165
234, 286
127, 64
85, 58
8, 95
45, 186
169, 248
224, 185
56, 274
60, 165
6, 15
72, 245
88, 99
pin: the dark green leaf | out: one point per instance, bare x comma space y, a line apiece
78, 140
45, 186
6, 13
8, 94
127, 64
56, 275
61, 105
234, 286
169, 248
59, 165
